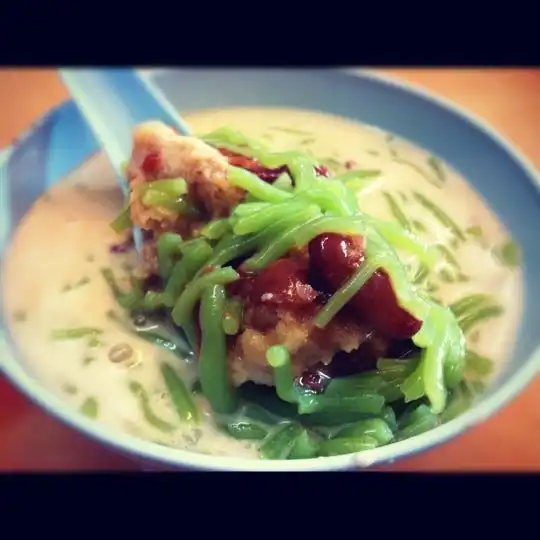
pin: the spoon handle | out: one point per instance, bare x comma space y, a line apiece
113, 102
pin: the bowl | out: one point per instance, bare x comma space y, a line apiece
508, 183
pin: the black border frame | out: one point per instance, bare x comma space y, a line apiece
366, 34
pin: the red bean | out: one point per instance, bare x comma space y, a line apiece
321, 170
151, 163
282, 283
264, 173
314, 381
377, 302
122, 247
337, 257
252, 165
239, 160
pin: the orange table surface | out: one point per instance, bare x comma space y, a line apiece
31, 440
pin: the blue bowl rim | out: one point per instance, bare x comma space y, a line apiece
153, 453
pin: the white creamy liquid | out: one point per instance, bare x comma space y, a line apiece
52, 274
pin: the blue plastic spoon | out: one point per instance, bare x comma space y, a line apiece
114, 102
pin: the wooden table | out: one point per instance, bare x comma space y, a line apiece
508, 99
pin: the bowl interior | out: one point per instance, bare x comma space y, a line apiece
494, 169
507, 183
